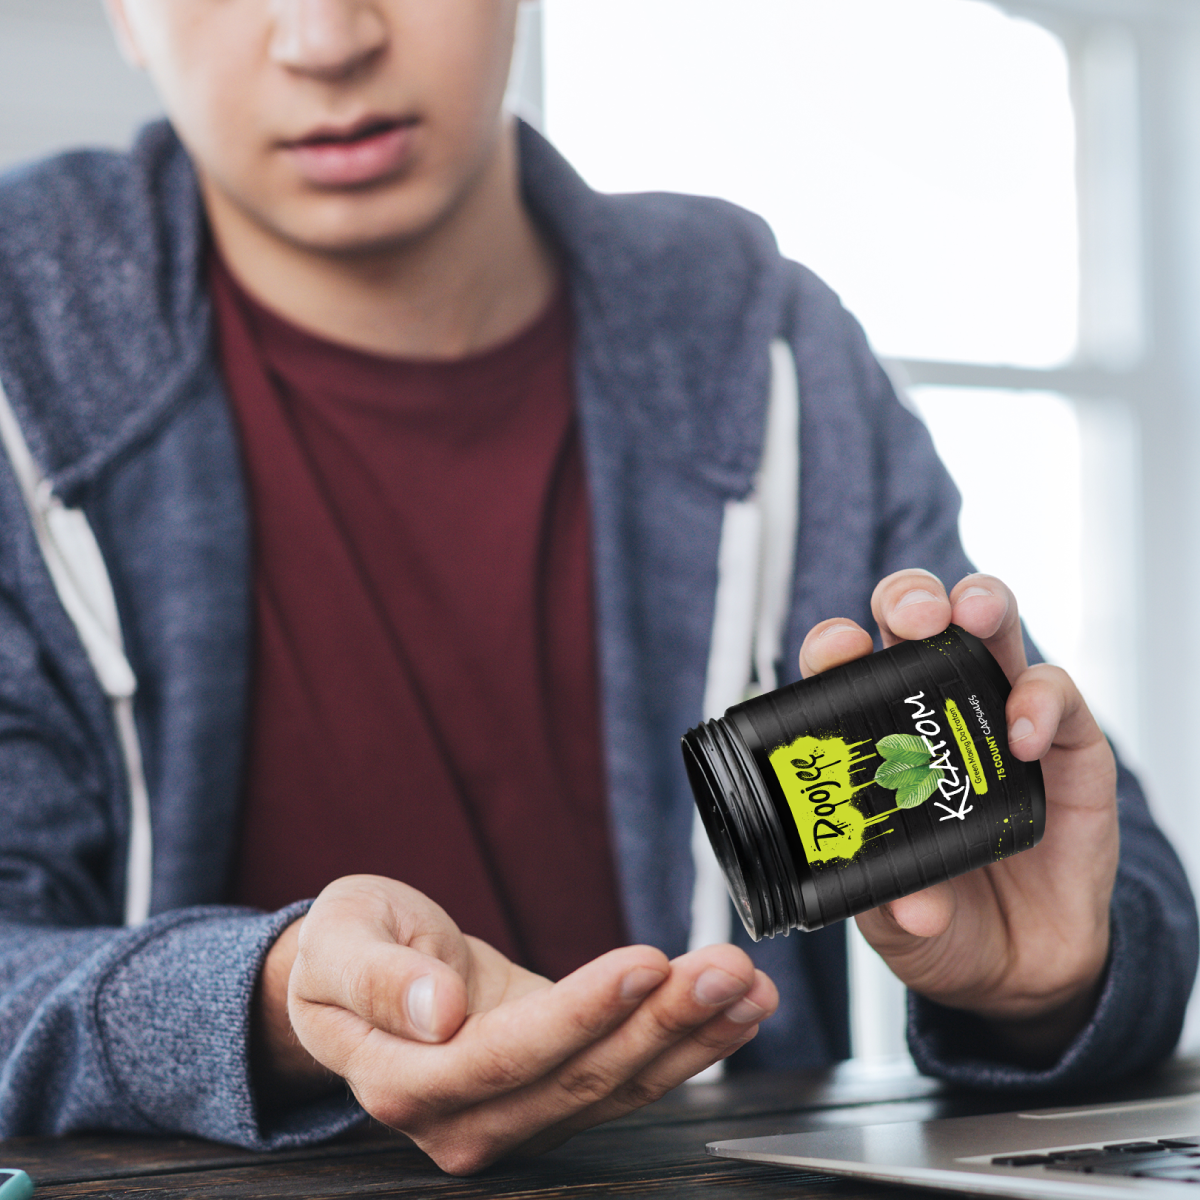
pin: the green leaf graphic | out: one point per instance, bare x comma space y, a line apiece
898, 776
909, 758
904, 748
914, 796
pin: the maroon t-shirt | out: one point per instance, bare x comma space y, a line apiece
424, 701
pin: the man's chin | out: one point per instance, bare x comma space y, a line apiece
351, 225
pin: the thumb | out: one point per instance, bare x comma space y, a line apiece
899, 927
386, 956
924, 914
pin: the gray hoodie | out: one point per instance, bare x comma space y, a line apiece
106, 355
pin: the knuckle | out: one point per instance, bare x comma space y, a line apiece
498, 1071
393, 1105
358, 990
465, 1147
637, 1093
592, 1025
389, 1107
719, 1040
462, 1160
1059, 675
1047, 681
421, 1104
667, 1027
585, 1086
372, 1100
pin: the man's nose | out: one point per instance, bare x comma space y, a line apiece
330, 39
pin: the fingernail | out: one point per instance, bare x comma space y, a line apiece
830, 629
718, 987
420, 1005
745, 1011
916, 596
1021, 728
641, 981
975, 591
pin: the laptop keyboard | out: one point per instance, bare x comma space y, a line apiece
1175, 1158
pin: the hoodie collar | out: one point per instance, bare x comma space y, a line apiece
677, 299
103, 324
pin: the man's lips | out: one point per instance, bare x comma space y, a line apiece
361, 154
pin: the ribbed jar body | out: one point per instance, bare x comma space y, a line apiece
842, 792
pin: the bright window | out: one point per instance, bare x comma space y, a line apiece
1016, 457
919, 155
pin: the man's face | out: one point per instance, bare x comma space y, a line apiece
338, 125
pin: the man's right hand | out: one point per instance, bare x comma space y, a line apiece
444, 1039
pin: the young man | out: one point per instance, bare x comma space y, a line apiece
407, 455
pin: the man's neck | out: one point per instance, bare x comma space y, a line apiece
479, 277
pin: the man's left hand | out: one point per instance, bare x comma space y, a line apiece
1022, 942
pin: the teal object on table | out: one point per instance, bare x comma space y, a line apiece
15, 1185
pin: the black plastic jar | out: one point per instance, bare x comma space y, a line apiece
862, 784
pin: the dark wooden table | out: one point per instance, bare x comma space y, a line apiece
658, 1151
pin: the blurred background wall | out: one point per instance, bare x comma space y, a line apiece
62, 82
1006, 194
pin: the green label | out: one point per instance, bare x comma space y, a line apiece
820, 778
966, 746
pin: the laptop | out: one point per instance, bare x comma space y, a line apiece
1135, 1148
